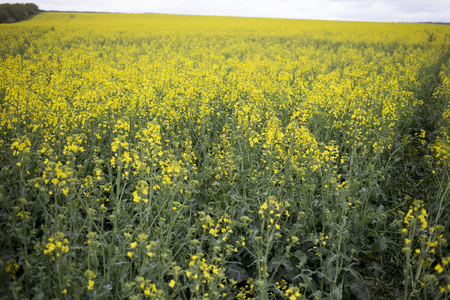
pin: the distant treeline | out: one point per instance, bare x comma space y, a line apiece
10, 13
437, 23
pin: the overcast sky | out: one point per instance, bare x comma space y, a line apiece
348, 10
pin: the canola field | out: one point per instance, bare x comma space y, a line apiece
187, 157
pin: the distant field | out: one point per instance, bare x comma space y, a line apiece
185, 157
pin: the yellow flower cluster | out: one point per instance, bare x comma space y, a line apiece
416, 211
423, 248
247, 290
207, 277
220, 230
11, 268
57, 245
290, 293
90, 276
73, 144
141, 245
21, 145
141, 192
272, 210
442, 94
443, 268
59, 175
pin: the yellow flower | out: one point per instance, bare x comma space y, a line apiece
90, 285
136, 197
433, 244
439, 268
446, 260
172, 283
50, 247
264, 206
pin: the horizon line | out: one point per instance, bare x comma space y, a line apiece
253, 17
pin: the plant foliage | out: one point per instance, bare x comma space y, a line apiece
186, 157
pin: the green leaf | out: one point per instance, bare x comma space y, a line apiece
380, 245
359, 291
236, 272
330, 259
280, 260
302, 257
337, 293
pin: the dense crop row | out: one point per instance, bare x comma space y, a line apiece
152, 156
